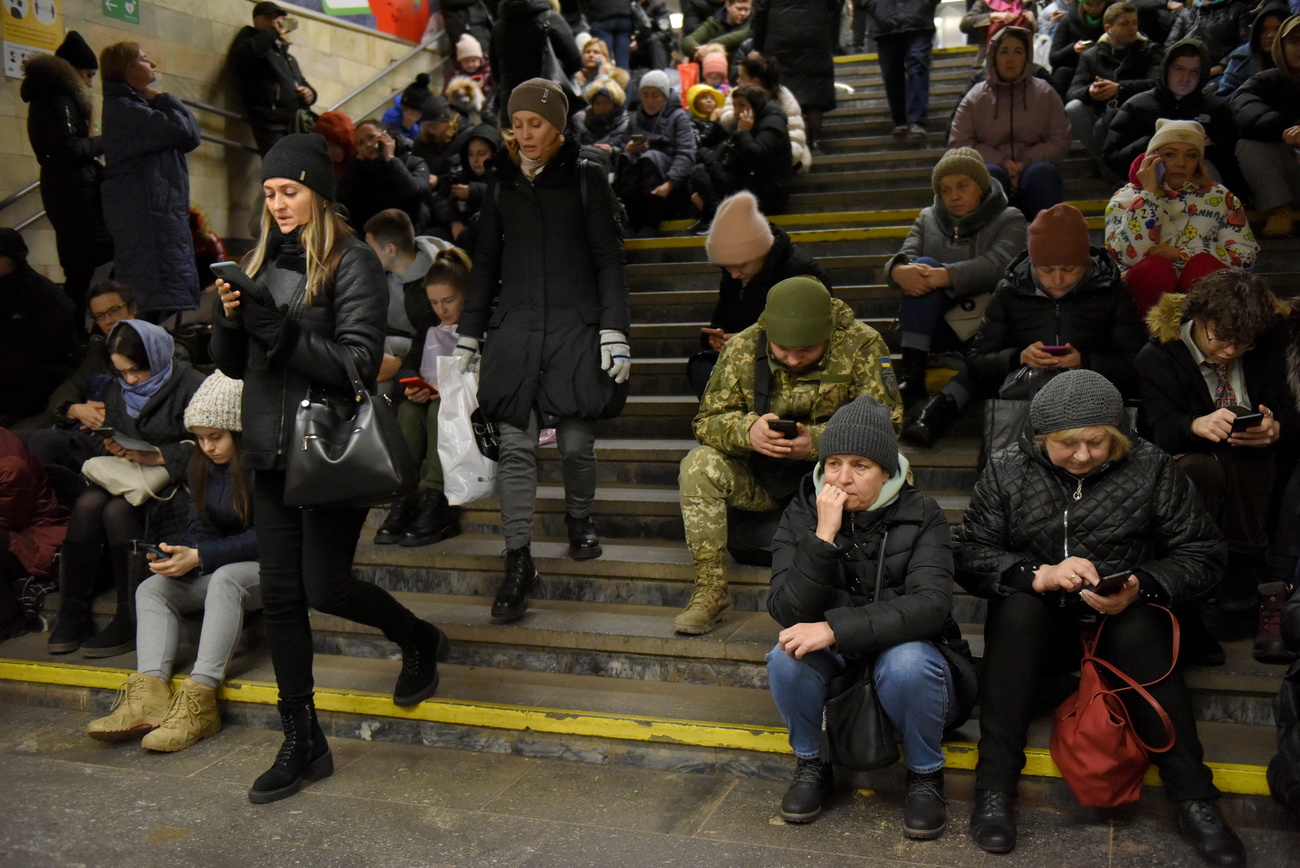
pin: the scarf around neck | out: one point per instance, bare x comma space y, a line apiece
159, 347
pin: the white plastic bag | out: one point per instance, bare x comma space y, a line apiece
468, 445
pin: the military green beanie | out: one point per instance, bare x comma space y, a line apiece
798, 313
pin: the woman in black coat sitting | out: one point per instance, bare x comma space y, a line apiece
855, 509
1074, 500
756, 157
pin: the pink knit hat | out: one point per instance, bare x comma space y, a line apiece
740, 232
715, 62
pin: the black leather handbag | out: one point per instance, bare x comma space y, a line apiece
858, 733
347, 453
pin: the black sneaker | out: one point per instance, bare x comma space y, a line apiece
1202, 826
925, 812
803, 801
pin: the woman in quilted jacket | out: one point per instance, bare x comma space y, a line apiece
1075, 500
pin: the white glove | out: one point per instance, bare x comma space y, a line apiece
466, 354
615, 355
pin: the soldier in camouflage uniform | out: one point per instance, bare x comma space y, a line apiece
818, 357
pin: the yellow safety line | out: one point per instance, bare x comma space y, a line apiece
1229, 777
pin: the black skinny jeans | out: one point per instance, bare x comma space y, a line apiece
1023, 630
306, 557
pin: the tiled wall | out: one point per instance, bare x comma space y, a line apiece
188, 39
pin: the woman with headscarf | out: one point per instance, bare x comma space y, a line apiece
1267, 111
1018, 124
547, 305
315, 321
146, 401
147, 183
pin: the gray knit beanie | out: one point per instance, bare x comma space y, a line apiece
217, 404
862, 427
1076, 399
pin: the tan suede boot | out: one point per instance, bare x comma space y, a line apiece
192, 716
707, 607
140, 706
1280, 222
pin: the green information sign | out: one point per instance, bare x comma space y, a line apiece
122, 10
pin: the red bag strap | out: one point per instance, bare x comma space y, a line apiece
1140, 689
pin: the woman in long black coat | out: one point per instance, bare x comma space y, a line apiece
801, 36
59, 126
147, 183
547, 302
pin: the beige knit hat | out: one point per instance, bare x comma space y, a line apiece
468, 46
1186, 132
217, 404
740, 233
961, 161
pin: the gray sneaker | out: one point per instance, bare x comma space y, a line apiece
916, 133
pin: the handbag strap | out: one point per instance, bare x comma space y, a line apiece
880, 567
1140, 689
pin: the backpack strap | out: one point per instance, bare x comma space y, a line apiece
762, 377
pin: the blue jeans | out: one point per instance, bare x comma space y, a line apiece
617, 34
913, 683
1040, 187
905, 68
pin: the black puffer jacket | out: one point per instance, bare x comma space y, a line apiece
759, 159
1132, 127
161, 420
59, 126
1134, 71
348, 315
1097, 318
1139, 514
370, 186
1069, 30
548, 275
515, 53
891, 17
740, 305
813, 580
268, 77
1266, 105
800, 35
467, 16
1221, 26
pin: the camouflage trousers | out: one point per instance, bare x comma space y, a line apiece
709, 482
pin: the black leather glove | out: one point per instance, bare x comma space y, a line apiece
270, 326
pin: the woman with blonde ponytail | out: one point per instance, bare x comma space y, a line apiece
320, 297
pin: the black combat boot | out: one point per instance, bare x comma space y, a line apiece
512, 597
396, 523
435, 520
421, 651
304, 756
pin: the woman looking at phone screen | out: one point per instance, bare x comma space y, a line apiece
321, 295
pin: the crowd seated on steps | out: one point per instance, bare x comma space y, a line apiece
721, 137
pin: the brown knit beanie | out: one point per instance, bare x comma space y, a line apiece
542, 97
961, 161
740, 232
1059, 236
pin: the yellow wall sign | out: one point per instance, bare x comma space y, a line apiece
29, 27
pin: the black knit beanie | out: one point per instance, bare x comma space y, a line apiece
13, 245
302, 157
75, 51
1075, 399
862, 427
417, 93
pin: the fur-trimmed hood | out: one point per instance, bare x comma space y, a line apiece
1166, 317
47, 77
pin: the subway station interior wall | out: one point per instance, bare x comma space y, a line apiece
188, 39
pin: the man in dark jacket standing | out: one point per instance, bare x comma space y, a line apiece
1122, 63
36, 335
272, 85
903, 30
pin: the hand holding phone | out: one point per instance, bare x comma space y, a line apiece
1245, 421
154, 550
232, 274
787, 428
1056, 350
418, 383
1110, 585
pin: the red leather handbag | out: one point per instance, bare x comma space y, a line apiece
1094, 744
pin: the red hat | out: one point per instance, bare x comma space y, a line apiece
1059, 236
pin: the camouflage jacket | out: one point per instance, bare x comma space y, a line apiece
856, 363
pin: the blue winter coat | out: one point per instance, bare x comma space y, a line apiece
146, 195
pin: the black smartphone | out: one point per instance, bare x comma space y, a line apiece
788, 428
102, 432
1110, 585
638, 139
232, 274
154, 550
1246, 421
1056, 350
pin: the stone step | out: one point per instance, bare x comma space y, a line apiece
656, 340
700, 275
640, 723
903, 193
696, 305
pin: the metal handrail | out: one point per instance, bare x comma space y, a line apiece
19, 195
216, 110
29, 221
229, 143
374, 79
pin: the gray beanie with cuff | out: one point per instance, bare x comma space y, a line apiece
862, 427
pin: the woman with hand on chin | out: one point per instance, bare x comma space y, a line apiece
320, 297
854, 509
1172, 224
1074, 500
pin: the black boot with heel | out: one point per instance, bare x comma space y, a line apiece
119, 636
304, 756
78, 566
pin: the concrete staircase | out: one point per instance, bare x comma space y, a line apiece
594, 671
